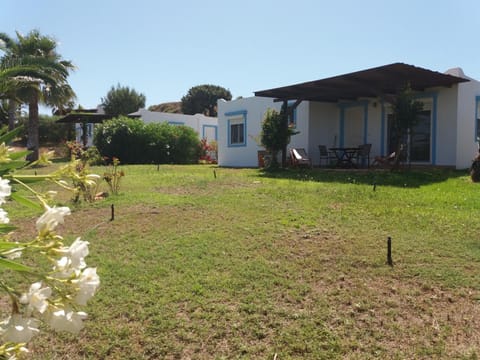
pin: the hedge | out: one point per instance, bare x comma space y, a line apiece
134, 142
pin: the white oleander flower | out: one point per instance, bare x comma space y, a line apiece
73, 259
4, 217
51, 218
87, 283
18, 329
5, 190
67, 320
77, 252
36, 298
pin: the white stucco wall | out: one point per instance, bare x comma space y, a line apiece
446, 125
374, 129
466, 148
242, 156
255, 107
323, 127
205, 126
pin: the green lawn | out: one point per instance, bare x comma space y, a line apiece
211, 263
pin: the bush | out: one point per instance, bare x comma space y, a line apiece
134, 142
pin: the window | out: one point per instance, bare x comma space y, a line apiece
418, 142
209, 132
237, 133
237, 128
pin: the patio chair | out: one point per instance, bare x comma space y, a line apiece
363, 155
299, 157
325, 155
384, 161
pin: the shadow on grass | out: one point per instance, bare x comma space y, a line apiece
404, 178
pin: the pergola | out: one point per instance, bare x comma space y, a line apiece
375, 82
84, 118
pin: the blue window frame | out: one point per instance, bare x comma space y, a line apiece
237, 128
205, 129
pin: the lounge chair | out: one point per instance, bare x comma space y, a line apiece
384, 161
299, 157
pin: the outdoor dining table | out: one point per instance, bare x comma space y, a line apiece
345, 156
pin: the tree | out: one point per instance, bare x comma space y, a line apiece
7, 44
43, 78
405, 115
275, 135
122, 101
202, 99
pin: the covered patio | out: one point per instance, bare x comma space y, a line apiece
349, 110
84, 121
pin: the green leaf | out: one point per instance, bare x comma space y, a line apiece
27, 179
12, 265
9, 136
26, 202
5, 229
8, 245
19, 154
6, 167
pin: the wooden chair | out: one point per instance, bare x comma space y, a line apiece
363, 155
299, 157
325, 155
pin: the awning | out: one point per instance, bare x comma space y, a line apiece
84, 117
375, 82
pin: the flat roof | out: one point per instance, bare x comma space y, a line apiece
374, 82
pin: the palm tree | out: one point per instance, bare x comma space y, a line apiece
8, 45
47, 78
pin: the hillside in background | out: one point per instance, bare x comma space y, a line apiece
169, 107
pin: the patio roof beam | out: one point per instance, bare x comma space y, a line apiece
376, 82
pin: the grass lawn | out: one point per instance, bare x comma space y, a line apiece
285, 265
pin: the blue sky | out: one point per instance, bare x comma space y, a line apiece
163, 48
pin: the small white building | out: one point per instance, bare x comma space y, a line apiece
205, 126
352, 109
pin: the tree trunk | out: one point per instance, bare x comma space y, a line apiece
33, 124
284, 114
12, 114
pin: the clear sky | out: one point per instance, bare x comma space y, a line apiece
163, 48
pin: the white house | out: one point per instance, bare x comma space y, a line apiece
205, 126
353, 109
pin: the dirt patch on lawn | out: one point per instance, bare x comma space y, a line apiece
373, 311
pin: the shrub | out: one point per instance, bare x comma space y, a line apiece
134, 142
120, 138
275, 135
